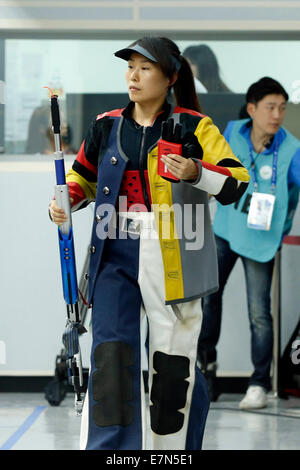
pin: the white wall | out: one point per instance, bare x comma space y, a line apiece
32, 310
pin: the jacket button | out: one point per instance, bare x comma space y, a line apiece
86, 276
92, 249
113, 160
98, 218
106, 190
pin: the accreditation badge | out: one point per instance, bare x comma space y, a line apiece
261, 211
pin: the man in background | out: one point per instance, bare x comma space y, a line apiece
253, 228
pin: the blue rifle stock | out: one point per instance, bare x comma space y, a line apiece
68, 267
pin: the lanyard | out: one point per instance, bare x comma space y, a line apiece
274, 169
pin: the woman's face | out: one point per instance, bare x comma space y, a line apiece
145, 80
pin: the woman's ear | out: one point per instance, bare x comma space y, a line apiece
173, 79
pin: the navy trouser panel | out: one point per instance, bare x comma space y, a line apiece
198, 413
115, 377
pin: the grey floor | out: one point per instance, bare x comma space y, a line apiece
28, 422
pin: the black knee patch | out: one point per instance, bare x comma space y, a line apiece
168, 393
113, 384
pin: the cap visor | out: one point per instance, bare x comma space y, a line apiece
126, 53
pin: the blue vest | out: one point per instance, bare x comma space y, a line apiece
231, 221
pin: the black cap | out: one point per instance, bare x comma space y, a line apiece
126, 53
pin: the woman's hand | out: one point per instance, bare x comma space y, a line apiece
181, 167
57, 214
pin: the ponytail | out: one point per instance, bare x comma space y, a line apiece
184, 87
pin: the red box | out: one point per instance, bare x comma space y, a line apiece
164, 148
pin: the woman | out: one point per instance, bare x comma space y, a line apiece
143, 261
205, 68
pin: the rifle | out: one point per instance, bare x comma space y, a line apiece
74, 326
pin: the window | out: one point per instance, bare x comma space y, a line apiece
83, 69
